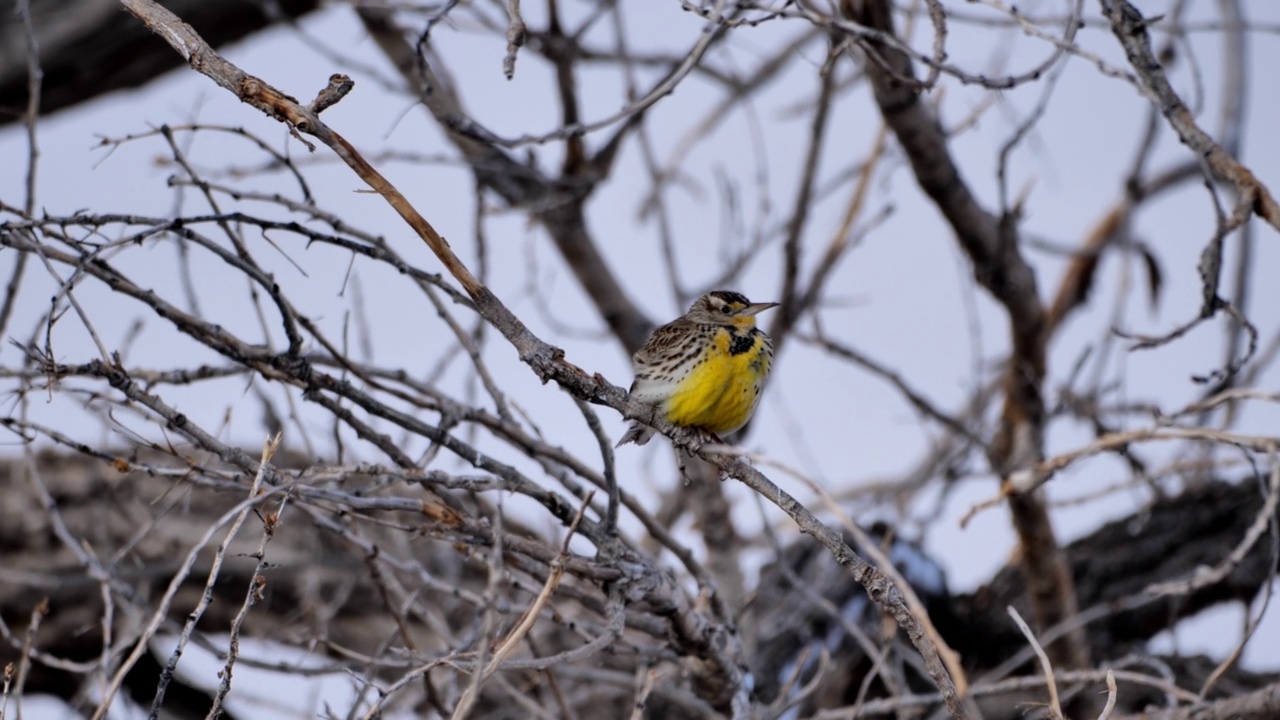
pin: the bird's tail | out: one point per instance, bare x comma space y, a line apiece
638, 433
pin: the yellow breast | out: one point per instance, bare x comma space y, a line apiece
720, 392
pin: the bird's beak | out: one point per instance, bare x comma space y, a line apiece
756, 308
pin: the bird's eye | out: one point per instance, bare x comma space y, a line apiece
726, 309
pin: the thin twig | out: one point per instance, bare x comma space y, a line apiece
1111, 696
257, 582
1055, 709
508, 644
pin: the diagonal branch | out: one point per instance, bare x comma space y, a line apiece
557, 205
1130, 28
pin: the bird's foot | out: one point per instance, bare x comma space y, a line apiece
710, 438
683, 468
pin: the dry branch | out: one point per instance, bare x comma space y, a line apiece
1130, 28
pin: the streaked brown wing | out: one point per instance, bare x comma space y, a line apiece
659, 345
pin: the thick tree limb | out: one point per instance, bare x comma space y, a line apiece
1115, 569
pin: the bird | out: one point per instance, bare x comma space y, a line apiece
704, 370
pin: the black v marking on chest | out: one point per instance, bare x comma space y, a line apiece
742, 343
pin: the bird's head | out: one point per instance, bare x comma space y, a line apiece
725, 307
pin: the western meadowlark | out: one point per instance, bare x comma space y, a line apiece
704, 370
